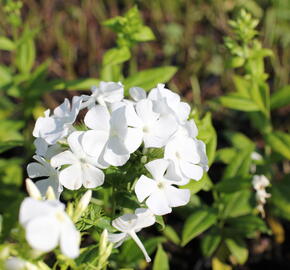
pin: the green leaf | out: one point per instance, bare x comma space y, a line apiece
195, 186
74, 85
116, 56
234, 184
197, 223
280, 98
161, 260
25, 56
247, 225
7, 44
171, 234
280, 143
207, 134
238, 248
9, 131
238, 102
239, 140
225, 155
210, 242
240, 164
238, 203
5, 75
144, 34
280, 198
149, 78
11, 171
131, 253
242, 85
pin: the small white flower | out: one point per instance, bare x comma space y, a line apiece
260, 182
106, 92
162, 196
188, 156
148, 126
47, 226
52, 128
166, 101
129, 224
82, 170
107, 137
43, 169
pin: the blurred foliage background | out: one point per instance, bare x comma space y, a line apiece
70, 40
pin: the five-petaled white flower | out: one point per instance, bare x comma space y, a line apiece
47, 225
161, 195
106, 140
82, 170
147, 125
106, 92
42, 168
129, 224
52, 128
188, 156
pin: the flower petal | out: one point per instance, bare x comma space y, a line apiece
42, 233
92, 176
71, 177
98, 118
69, 240
158, 203
137, 93
144, 109
35, 169
157, 168
144, 187
94, 141
145, 218
64, 158
31, 208
133, 139
177, 197
190, 170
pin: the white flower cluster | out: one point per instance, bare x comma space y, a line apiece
260, 182
115, 128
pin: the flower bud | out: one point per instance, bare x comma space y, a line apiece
32, 190
84, 201
50, 195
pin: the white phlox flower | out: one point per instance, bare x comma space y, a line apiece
188, 155
260, 182
43, 169
15, 263
165, 101
47, 225
148, 126
160, 193
54, 127
82, 170
129, 225
106, 92
106, 140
